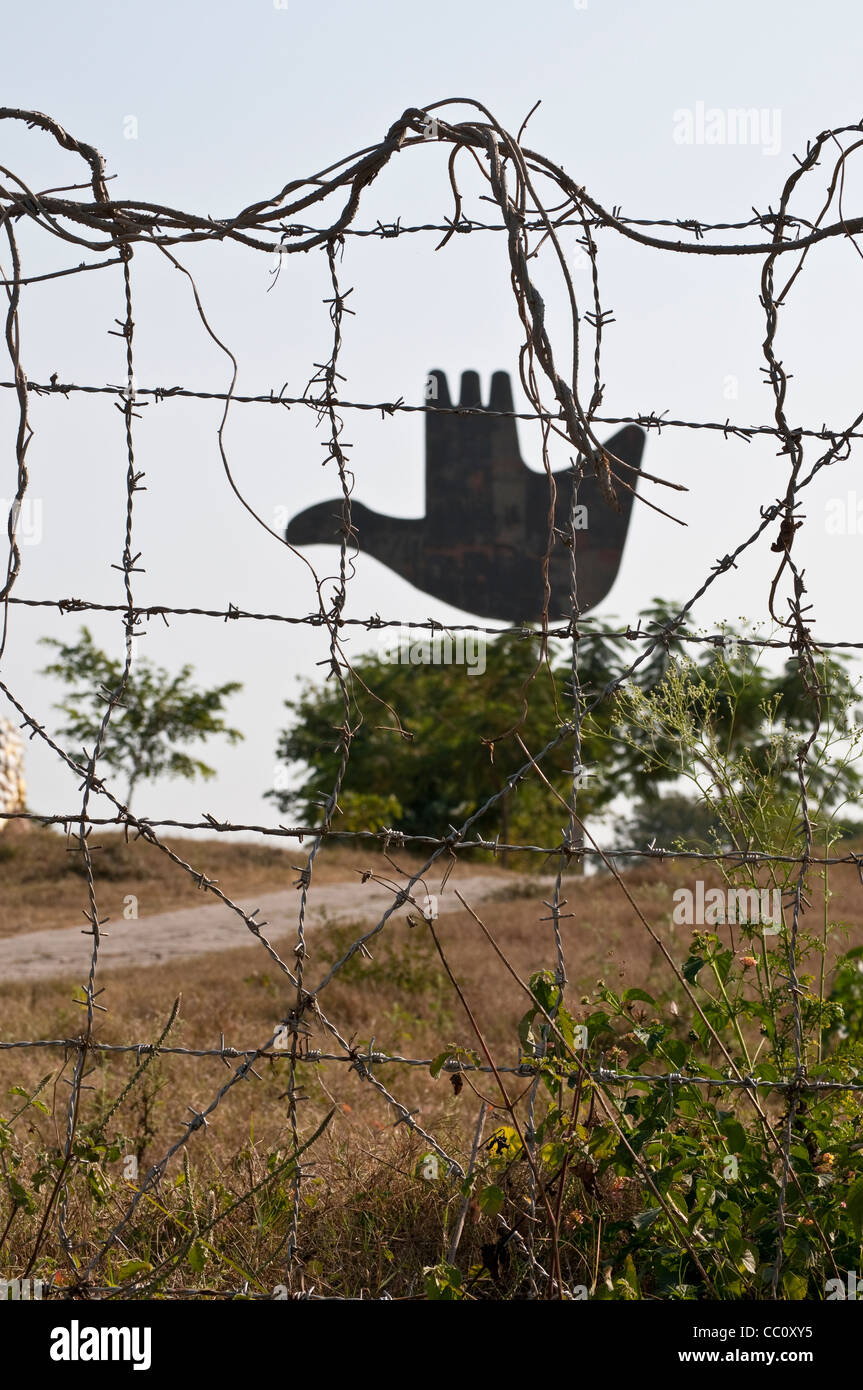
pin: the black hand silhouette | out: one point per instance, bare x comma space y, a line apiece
481, 543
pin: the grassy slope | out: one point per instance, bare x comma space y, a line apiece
43, 884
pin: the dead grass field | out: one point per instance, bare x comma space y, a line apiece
401, 998
43, 884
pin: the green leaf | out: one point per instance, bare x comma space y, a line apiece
646, 1218
20, 1196
453, 1054
490, 1200
795, 1285
198, 1256
854, 1205
597, 1024
544, 990
553, 1154
650, 1037
503, 1143
629, 1276
437, 1065
631, 995
443, 1282
736, 1136
526, 1035
691, 968
130, 1268
566, 1027
603, 1142
733, 1212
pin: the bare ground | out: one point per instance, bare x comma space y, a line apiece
165, 937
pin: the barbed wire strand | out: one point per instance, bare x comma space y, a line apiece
511, 173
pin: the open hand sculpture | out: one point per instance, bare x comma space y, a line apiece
482, 541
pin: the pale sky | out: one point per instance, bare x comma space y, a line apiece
227, 102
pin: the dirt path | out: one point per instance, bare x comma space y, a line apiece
194, 931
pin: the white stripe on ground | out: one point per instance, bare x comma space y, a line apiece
195, 931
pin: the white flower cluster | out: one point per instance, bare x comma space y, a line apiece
13, 791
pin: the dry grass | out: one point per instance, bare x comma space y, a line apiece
364, 1200
43, 883
401, 998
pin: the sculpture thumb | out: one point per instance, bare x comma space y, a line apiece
395, 540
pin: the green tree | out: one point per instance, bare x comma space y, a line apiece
431, 743
454, 742
158, 711
721, 721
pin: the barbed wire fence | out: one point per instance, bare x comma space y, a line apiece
536, 202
